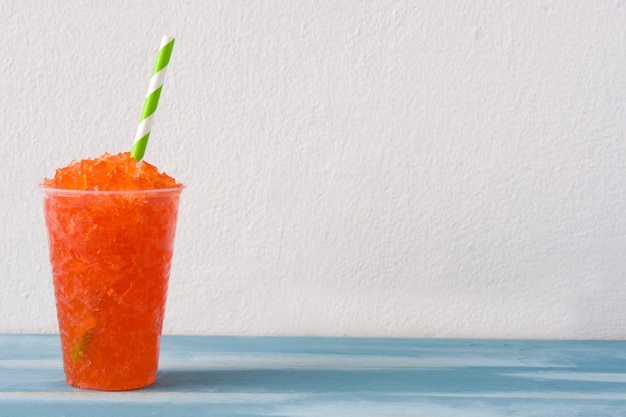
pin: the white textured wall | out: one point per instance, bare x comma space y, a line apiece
387, 168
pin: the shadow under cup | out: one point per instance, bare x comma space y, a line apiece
110, 253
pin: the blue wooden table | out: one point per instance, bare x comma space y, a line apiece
307, 376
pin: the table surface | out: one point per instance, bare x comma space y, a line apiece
311, 376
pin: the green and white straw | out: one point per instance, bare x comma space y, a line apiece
152, 98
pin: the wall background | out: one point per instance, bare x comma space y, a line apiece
372, 168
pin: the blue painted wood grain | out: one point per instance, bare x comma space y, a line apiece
308, 376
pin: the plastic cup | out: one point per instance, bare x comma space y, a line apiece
110, 253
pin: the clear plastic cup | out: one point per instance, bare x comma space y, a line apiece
110, 253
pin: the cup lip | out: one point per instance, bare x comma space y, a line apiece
51, 190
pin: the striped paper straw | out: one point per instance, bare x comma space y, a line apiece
152, 98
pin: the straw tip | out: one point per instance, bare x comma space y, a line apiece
166, 39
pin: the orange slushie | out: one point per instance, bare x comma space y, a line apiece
111, 225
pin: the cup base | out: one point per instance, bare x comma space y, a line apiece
97, 386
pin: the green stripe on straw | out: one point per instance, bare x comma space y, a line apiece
152, 98
163, 57
150, 105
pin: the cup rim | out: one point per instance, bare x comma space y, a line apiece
52, 190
